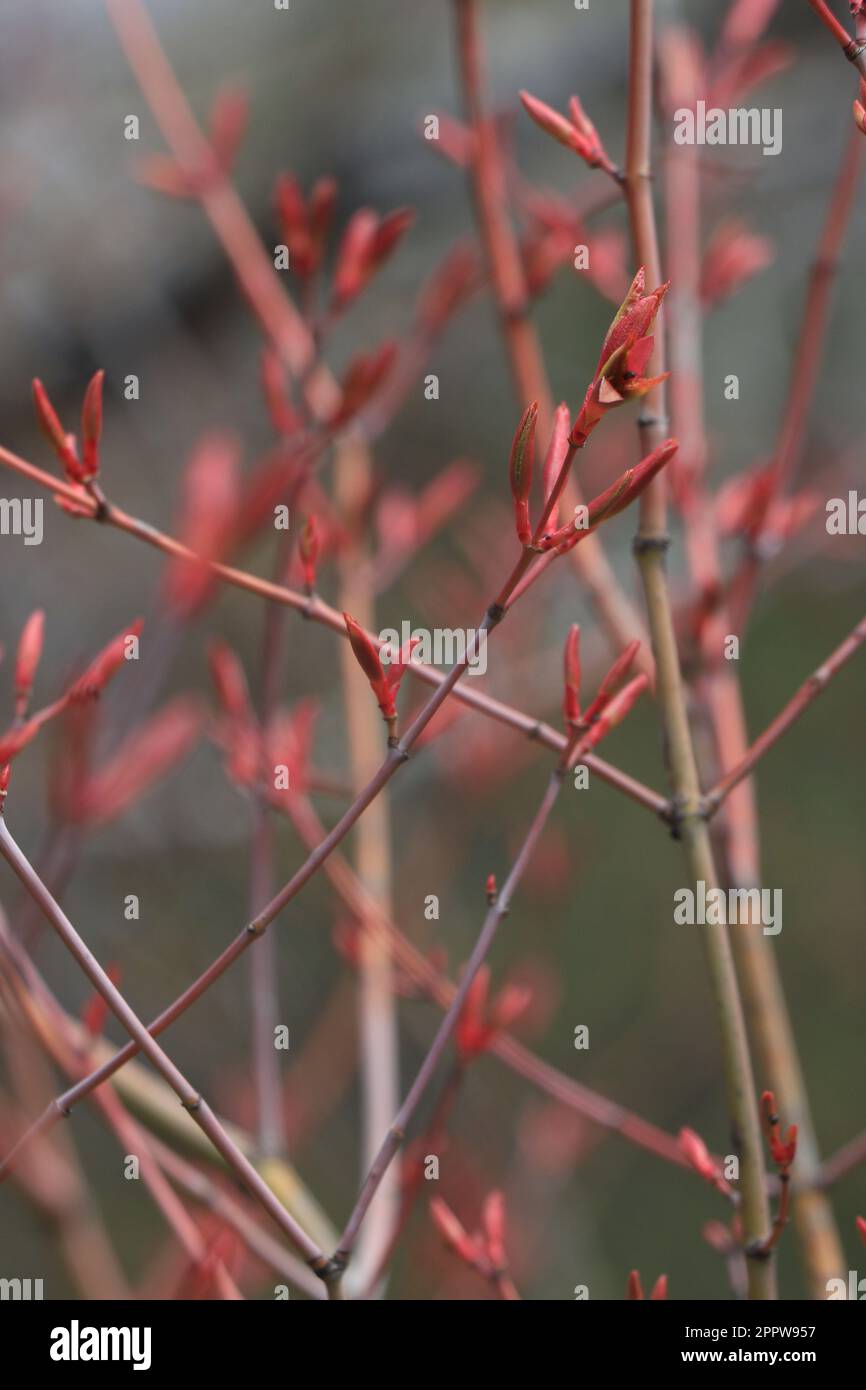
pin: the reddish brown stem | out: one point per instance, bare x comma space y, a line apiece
809, 691
853, 49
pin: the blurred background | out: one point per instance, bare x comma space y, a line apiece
100, 271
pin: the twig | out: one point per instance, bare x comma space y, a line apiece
396, 1134
610, 1116
136, 1142
316, 610
223, 1205
809, 691
844, 1160
192, 1102
398, 753
803, 379
66, 1041
852, 48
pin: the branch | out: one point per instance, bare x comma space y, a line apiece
763, 995
605, 1113
189, 1098
396, 1134
854, 50
650, 546
498, 910
844, 1160
316, 610
798, 704
66, 1041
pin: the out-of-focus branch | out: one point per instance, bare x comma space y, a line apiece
809, 691
377, 1005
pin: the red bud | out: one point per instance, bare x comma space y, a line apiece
453, 1232
365, 652
557, 450
617, 709
449, 287
104, 666
616, 498
29, 654
390, 231
149, 753
634, 1287
696, 1153
322, 202
54, 432
91, 427
228, 677
283, 417
354, 257
571, 702
783, 1151
520, 466
367, 657
616, 673
364, 375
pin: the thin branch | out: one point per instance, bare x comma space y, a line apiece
189, 1098
316, 610
397, 754
66, 1041
261, 285
809, 691
854, 49
844, 1160
135, 1141
396, 1134
211, 1195
803, 380
607, 1114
